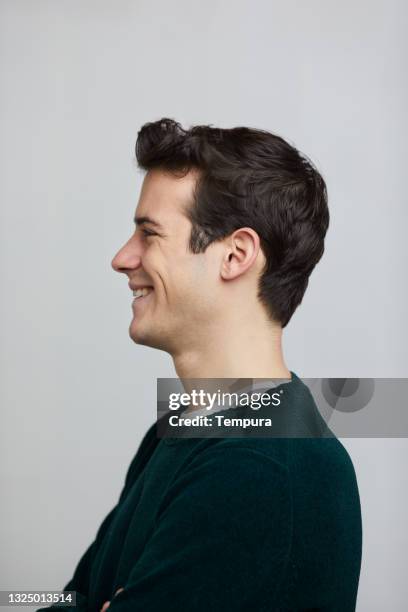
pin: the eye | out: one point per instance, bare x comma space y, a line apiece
146, 232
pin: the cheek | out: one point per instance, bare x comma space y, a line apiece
163, 269
153, 263
199, 286
185, 282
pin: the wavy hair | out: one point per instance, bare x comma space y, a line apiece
248, 178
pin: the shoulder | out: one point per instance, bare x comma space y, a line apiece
237, 453
310, 462
235, 484
231, 467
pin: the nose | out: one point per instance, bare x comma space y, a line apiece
127, 258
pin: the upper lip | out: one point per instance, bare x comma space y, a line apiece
135, 287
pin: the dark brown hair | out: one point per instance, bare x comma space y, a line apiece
248, 178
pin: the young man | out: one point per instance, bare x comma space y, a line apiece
229, 225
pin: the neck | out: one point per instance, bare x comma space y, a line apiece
240, 349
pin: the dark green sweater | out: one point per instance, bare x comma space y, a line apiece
229, 524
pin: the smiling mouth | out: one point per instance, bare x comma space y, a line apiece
140, 293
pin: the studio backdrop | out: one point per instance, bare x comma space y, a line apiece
78, 80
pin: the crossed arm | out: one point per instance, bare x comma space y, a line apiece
221, 539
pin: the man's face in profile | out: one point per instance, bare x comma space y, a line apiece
179, 287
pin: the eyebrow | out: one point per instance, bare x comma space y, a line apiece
146, 219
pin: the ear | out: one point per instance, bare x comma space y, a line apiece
242, 248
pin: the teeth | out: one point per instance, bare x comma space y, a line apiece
141, 292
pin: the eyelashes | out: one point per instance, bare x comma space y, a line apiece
146, 233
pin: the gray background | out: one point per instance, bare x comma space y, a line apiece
78, 79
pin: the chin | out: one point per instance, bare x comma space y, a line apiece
145, 337
138, 335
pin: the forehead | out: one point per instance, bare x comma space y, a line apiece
163, 195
